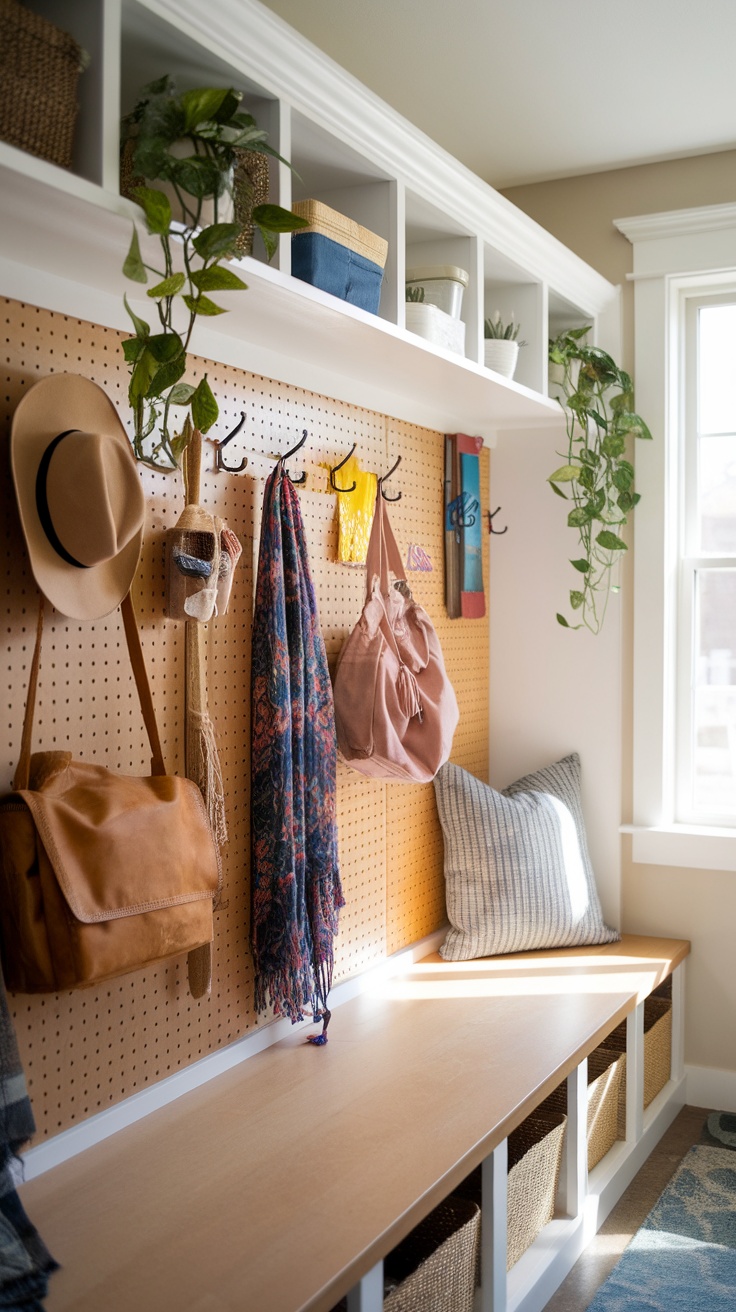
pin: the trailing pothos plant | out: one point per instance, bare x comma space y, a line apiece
596, 477
190, 143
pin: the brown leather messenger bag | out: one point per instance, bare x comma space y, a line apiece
101, 873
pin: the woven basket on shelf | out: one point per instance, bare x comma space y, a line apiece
39, 73
657, 1052
433, 1269
320, 218
250, 188
605, 1072
535, 1156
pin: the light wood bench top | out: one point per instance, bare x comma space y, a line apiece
277, 1185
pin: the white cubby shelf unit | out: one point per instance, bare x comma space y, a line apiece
65, 233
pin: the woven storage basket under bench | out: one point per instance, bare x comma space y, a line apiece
434, 1268
605, 1074
657, 1049
534, 1160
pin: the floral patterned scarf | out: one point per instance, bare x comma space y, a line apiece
296, 892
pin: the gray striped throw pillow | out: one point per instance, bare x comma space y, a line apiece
517, 872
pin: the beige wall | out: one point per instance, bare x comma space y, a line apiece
694, 904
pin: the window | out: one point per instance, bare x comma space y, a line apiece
705, 656
684, 696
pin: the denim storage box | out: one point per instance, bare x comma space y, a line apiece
336, 269
338, 255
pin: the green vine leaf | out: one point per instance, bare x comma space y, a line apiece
610, 541
216, 241
582, 566
142, 329
169, 287
202, 305
565, 474
165, 346
218, 279
576, 600
270, 241
157, 208
133, 348
133, 267
204, 406
140, 379
166, 375
201, 105
181, 394
277, 219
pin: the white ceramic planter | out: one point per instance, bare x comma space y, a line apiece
500, 355
555, 376
433, 324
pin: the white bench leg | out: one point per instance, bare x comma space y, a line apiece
367, 1295
494, 1230
575, 1171
635, 1074
677, 1069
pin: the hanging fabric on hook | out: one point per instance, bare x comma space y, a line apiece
354, 512
296, 891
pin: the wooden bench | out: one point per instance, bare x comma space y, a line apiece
280, 1185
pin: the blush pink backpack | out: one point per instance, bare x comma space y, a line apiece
395, 708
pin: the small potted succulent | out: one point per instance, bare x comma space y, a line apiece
501, 345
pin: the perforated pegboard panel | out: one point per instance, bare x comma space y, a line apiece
83, 1051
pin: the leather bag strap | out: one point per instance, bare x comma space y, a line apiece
383, 552
135, 651
132, 636
23, 768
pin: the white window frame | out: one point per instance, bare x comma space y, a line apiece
677, 255
691, 559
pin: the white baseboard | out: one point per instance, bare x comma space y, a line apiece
103, 1124
707, 1086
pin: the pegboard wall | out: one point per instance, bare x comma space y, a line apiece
88, 1049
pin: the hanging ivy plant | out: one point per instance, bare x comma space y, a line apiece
596, 476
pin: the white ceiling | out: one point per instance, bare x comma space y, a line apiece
528, 90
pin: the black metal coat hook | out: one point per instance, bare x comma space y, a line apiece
491, 529
385, 478
334, 469
287, 456
219, 462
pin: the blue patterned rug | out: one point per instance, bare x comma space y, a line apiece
683, 1258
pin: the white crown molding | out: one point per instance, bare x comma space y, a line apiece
677, 223
291, 68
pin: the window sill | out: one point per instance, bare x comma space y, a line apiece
696, 847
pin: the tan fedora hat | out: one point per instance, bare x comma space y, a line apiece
79, 495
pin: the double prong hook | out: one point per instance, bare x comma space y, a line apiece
288, 454
333, 471
385, 479
219, 462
